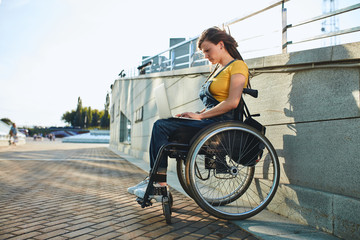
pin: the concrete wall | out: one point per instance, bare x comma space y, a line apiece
309, 102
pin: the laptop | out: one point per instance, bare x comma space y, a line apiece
163, 104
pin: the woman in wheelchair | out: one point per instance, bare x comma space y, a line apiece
220, 94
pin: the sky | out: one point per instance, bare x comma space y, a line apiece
54, 51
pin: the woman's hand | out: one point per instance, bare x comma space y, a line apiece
189, 115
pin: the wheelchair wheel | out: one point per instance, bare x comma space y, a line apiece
180, 169
232, 171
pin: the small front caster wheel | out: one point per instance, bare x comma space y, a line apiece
166, 209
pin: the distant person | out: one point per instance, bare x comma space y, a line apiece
13, 134
51, 137
220, 94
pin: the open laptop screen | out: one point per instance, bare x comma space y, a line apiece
162, 102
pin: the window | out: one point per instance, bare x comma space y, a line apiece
139, 115
125, 129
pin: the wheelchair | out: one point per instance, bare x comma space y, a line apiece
229, 168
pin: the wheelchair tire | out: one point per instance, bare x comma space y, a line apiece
180, 169
219, 181
171, 200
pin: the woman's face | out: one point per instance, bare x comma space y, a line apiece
212, 51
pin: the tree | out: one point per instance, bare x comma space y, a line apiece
85, 117
89, 117
69, 117
105, 120
78, 121
95, 121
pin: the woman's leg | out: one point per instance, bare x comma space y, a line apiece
162, 130
160, 134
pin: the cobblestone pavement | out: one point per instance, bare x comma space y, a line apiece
54, 190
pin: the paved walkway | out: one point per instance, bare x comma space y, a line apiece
54, 190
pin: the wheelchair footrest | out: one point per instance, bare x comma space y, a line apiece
142, 203
162, 190
155, 191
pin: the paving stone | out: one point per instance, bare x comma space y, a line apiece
84, 237
26, 229
6, 236
142, 238
51, 234
25, 236
55, 227
103, 231
112, 235
72, 234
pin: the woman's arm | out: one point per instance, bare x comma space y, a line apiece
197, 112
237, 83
204, 109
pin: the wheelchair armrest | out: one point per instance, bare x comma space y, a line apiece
251, 92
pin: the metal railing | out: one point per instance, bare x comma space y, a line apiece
186, 55
286, 26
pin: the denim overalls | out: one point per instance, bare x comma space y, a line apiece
209, 101
163, 128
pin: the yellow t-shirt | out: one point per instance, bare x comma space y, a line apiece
220, 85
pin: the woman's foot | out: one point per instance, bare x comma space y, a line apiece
143, 183
140, 192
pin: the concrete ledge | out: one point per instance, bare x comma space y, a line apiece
269, 226
179, 72
346, 209
347, 52
331, 213
344, 52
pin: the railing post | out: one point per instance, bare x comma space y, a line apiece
284, 28
191, 54
172, 60
150, 67
159, 63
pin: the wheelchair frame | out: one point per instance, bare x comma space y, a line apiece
222, 163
